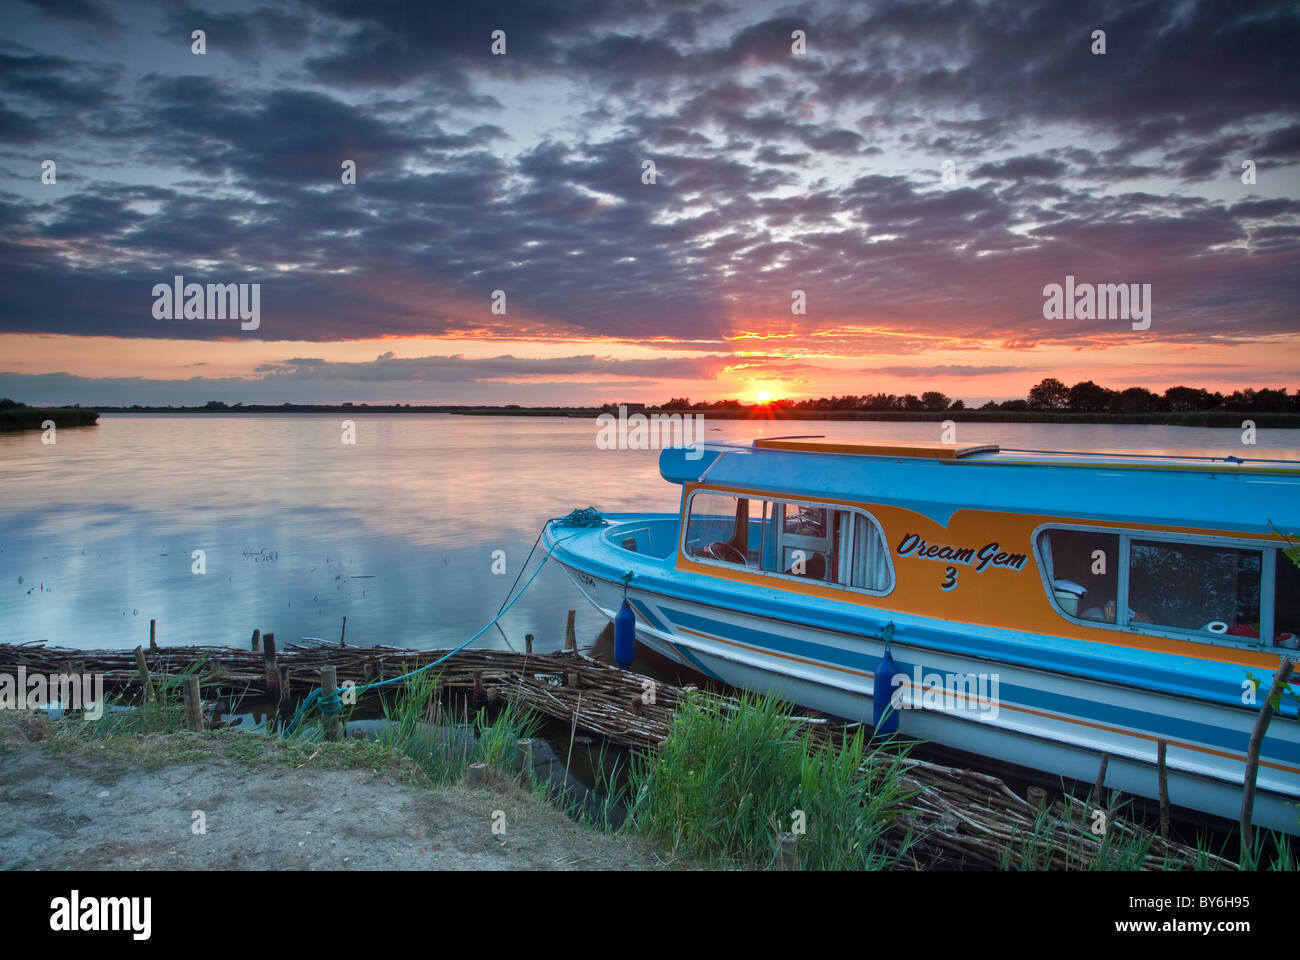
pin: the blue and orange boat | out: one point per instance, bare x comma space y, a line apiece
1039, 608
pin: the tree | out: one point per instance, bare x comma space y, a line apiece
1049, 394
1133, 400
1181, 399
958, 405
1088, 397
934, 400
1266, 400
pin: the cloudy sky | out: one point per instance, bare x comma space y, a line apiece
774, 171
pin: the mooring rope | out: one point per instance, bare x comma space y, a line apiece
332, 704
586, 517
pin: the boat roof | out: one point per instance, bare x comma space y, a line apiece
876, 448
1222, 493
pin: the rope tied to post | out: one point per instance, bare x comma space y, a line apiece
331, 703
334, 702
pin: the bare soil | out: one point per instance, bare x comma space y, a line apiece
269, 804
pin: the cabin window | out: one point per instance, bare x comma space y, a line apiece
841, 546
1083, 570
1209, 588
1199, 587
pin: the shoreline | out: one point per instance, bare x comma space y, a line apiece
1192, 418
34, 418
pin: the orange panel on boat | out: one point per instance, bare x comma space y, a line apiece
931, 449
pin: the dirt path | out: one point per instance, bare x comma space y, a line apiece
129, 807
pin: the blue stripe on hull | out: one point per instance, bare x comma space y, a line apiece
1155, 724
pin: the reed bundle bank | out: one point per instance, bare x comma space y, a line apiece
906, 812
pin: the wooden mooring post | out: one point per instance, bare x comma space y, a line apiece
193, 705
149, 695
329, 686
570, 634
153, 635
257, 641
272, 671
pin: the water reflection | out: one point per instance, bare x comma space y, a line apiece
396, 532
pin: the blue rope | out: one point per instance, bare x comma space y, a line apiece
588, 517
334, 703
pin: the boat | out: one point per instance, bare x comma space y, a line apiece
1040, 608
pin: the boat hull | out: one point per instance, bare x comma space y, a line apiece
1038, 719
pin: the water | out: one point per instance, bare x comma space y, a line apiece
396, 533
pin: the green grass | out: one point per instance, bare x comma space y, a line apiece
126, 717
440, 745
1270, 851
1053, 835
728, 784
1118, 850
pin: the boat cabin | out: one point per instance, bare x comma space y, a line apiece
1091, 546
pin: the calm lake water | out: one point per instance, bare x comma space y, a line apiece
396, 532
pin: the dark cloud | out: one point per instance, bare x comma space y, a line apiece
523, 173
1021, 168
460, 369
76, 11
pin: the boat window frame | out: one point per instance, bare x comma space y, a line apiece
1267, 583
853, 510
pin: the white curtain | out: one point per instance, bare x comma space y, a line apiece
870, 556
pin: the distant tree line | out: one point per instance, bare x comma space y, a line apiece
1050, 395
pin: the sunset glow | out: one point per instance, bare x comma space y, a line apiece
502, 243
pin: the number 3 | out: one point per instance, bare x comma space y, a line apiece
951, 580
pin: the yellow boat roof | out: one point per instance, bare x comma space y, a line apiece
930, 449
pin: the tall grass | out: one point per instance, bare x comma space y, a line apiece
1270, 851
603, 806
419, 727
1053, 836
1072, 837
728, 783
127, 716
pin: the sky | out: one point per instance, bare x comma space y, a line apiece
643, 200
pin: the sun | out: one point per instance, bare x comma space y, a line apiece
764, 397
